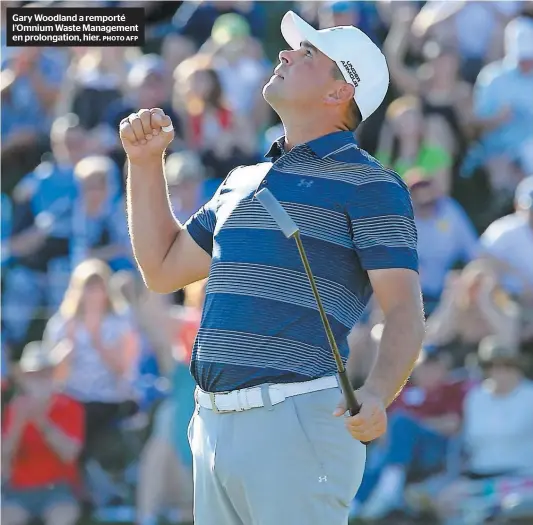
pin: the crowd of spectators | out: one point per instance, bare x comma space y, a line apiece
95, 382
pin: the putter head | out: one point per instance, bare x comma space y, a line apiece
277, 212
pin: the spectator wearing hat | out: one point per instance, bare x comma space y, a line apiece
43, 434
508, 244
445, 234
498, 432
503, 109
423, 419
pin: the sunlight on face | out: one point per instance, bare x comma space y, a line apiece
302, 79
95, 295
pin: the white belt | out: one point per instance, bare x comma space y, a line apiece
253, 397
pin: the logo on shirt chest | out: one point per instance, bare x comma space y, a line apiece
305, 183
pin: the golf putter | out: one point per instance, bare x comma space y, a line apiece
291, 230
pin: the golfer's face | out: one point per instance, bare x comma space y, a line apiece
303, 76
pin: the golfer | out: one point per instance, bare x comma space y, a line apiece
270, 439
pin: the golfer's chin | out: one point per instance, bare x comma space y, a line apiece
272, 90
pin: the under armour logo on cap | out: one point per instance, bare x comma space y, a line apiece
351, 71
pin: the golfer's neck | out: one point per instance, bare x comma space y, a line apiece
302, 130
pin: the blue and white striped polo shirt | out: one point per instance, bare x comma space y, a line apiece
260, 322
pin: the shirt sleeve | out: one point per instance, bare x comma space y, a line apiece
201, 226
382, 226
486, 101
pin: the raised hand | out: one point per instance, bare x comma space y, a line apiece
145, 135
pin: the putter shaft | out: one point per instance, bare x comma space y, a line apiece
351, 401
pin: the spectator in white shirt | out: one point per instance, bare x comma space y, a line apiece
508, 244
498, 432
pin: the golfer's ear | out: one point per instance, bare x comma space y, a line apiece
341, 93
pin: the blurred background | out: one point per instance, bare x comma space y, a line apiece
96, 393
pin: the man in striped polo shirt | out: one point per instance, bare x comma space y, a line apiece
269, 444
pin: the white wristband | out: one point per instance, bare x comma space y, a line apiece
168, 128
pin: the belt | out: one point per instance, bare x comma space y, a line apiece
254, 397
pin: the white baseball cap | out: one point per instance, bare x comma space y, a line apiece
361, 62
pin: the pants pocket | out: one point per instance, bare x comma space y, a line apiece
305, 438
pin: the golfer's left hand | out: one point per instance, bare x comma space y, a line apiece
371, 422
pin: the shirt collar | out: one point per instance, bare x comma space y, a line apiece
321, 146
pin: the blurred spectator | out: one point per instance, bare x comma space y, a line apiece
36, 74
445, 99
96, 78
212, 129
5, 227
235, 54
409, 139
150, 318
498, 436
42, 436
94, 322
503, 109
445, 235
473, 307
475, 27
195, 20
42, 227
185, 176
149, 85
423, 420
167, 452
345, 13
100, 228
175, 49
508, 245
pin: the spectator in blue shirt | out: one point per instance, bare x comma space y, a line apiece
5, 229
503, 106
445, 235
39, 244
99, 227
37, 74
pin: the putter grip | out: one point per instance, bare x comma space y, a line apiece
277, 212
349, 394
351, 402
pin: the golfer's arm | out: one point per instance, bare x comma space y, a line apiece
362, 355
397, 292
166, 254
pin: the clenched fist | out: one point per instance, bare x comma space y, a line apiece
143, 134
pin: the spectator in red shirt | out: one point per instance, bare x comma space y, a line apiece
42, 437
423, 419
